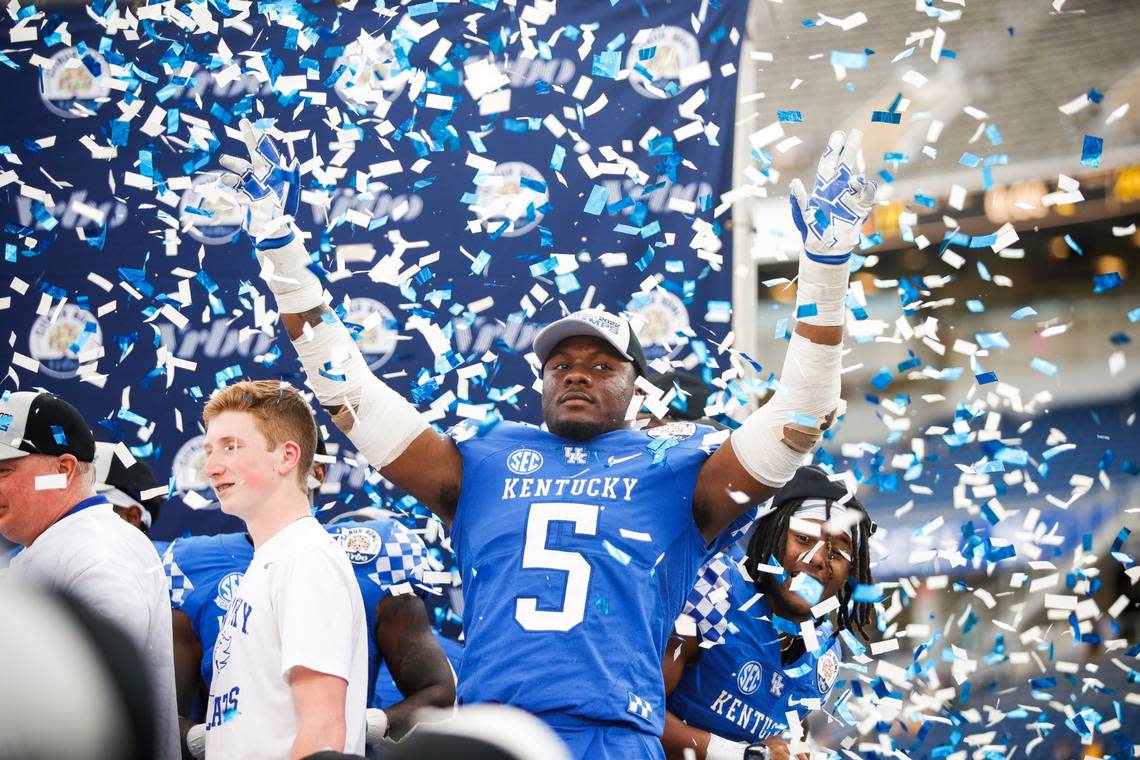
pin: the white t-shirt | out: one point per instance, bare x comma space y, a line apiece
110, 565
297, 605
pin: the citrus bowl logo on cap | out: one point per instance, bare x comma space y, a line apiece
227, 590
675, 50
378, 340
827, 671
368, 73
189, 465
361, 545
749, 678
524, 461
56, 343
506, 196
207, 214
664, 315
74, 86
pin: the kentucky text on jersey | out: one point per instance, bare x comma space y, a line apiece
746, 716
614, 489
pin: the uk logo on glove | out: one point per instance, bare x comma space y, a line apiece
829, 220
269, 188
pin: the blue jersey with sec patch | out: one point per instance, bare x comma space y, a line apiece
576, 557
204, 572
738, 688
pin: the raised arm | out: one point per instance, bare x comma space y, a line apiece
764, 452
414, 657
382, 425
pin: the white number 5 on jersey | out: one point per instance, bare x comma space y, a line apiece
537, 557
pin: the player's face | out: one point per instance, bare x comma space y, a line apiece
586, 388
824, 557
23, 511
240, 466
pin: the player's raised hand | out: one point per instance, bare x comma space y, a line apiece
829, 220
266, 186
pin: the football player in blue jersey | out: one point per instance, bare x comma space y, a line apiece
764, 652
388, 561
576, 543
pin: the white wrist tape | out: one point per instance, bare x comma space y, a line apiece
825, 286
778, 437
722, 749
286, 270
378, 421
196, 740
377, 727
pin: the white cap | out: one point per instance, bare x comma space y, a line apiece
595, 323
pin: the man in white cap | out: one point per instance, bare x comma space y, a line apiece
576, 544
74, 542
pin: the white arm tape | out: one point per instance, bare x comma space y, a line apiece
379, 422
376, 727
806, 397
286, 270
196, 740
722, 749
824, 285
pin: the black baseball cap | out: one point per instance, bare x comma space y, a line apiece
613, 329
37, 422
127, 486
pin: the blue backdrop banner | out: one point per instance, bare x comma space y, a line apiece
469, 170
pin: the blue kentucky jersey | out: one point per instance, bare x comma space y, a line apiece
738, 688
576, 558
204, 572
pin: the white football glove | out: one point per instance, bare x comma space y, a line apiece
267, 187
830, 219
268, 191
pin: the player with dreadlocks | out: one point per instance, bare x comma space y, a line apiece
763, 652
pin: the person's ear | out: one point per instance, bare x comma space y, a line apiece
319, 471
68, 465
290, 457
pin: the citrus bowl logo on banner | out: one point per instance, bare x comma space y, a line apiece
504, 197
664, 315
74, 86
57, 343
189, 465
675, 50
378, 341
207, 214
749, 678
369, 73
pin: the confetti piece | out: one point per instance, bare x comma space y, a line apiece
1091, 151
886, 117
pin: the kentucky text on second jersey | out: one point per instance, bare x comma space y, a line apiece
739, 689
204, 572
576, 558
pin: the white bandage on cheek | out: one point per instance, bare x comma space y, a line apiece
379, 422
286, 271
777, 439
825, 287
